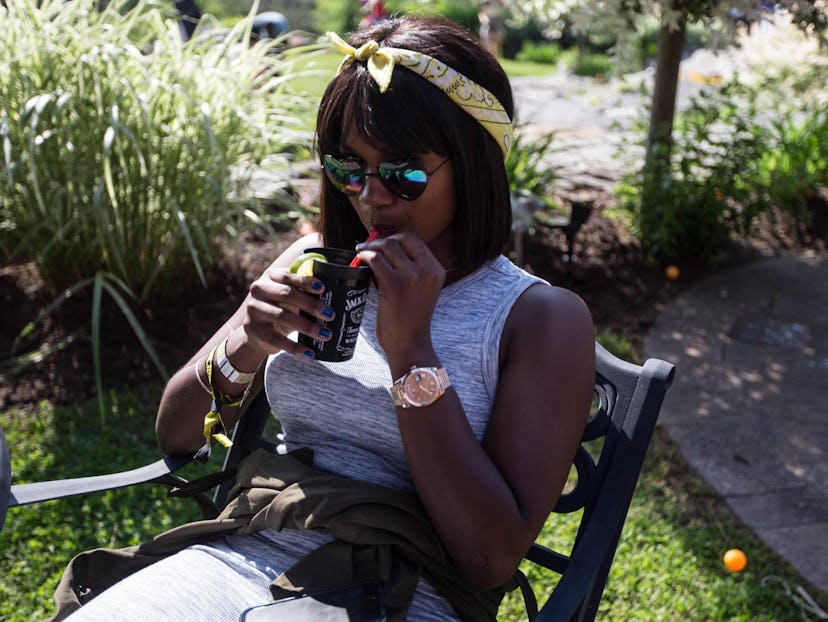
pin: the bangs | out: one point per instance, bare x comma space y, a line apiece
407, 118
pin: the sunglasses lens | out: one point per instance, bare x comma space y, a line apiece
407, 180
347, 177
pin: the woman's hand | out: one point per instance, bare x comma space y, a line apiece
260, 326
409, 279
272, 311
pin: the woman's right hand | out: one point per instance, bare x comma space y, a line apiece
259, 327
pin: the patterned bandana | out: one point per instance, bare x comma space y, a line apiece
470, 96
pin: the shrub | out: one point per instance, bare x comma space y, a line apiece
692, 209
737, 153
591, 64
546, 53
464, 12
120, 146
527, 169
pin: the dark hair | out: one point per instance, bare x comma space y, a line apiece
414, 116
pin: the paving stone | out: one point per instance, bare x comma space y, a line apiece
781, 508
805, 547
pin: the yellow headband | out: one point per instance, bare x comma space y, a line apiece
470, 96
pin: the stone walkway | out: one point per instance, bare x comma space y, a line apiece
749, 407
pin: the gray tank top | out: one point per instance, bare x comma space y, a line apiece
344, 413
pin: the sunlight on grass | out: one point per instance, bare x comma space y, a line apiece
518, 69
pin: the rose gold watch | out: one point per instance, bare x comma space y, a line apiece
421, 386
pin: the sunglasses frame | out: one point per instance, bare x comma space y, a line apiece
386, 181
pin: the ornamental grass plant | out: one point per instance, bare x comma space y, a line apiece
121, 142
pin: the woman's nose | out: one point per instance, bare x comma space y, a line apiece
373, 192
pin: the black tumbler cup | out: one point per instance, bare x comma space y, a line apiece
346, 290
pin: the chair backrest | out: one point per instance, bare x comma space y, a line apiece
627, 402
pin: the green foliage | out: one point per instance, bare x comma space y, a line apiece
121, 144
591, 64
616, 344
548, 53
738, 153
224, 10
642, 46
464, 12
796, 167
340, 17
668, 563
526, 169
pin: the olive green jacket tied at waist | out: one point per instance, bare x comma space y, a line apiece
381, 534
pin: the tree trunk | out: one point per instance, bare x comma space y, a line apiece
663, 108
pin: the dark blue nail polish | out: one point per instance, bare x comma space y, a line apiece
325, 333
327, 313
308, 353
317, 285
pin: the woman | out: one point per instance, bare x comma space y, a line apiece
413, 132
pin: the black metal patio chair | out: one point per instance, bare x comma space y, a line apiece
627, 402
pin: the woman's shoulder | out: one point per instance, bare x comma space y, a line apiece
551, 319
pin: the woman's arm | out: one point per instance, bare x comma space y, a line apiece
258, 328
489, 502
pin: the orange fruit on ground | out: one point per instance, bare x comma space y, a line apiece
672, 272
735, 560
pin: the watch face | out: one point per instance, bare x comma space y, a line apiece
421, 387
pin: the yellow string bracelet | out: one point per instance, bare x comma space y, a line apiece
214, 428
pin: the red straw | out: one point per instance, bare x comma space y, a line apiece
355, 261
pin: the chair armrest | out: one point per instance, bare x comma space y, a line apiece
5, 478
23, 494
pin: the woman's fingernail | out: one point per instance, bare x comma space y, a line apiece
359, 246
308, 353
317, 285
327, 313
325, 333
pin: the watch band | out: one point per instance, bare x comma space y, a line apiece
226, 367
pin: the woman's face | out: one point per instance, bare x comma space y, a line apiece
430, 216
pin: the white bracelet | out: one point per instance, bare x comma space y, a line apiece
200, 381
226, 367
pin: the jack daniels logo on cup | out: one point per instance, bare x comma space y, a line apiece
346, 290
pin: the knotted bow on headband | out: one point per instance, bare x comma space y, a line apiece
469, 95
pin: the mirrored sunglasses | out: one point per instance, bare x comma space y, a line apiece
407, 179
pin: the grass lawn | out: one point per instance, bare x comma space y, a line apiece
668, 565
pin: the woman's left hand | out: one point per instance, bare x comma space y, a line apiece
409, 278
